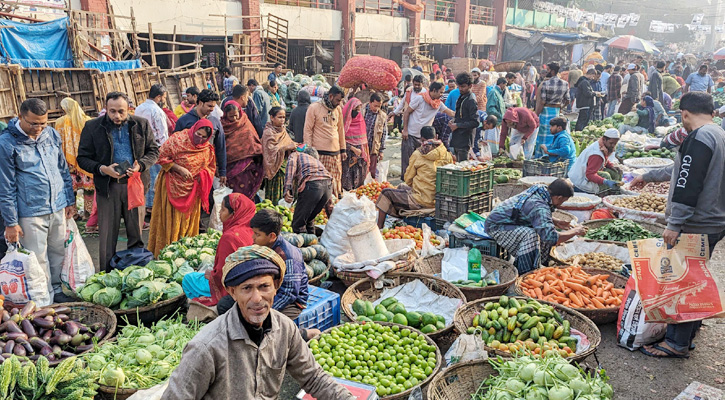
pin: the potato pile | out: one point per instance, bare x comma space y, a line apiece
596, 260
644, 202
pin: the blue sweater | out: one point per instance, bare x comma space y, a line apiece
563, 148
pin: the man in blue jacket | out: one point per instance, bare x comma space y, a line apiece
36, 190
563, 147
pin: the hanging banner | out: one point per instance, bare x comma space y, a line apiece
697, 19
622, 21
633, 19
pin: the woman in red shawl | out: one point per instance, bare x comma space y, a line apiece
355, 167
245, 170
188, 166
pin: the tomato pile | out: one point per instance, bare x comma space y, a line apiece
321, 218
409, 232
392, 358
372, 190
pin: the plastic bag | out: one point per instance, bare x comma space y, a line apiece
675, 284
428, 248
484, 153
219, 194
77, 262
22, 278
454, 266
632, 330
466, 348
382, 170
348, 212
136, 196
516, 150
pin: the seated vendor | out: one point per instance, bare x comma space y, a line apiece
593, 171
562, 147
420, 178
524, 225
245, 353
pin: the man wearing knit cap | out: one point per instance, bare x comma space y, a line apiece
594, 170
245, 353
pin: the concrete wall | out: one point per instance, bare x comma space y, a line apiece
307, 23
380, 28
439, 32
482, 34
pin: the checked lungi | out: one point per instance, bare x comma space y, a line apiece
545, 136
524, 244
333, 165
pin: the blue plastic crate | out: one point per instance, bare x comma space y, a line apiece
322, 312
418, 222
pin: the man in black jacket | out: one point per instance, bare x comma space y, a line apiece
107, 143
585, 98
466, 120
297, 117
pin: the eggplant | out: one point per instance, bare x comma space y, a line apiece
82, 328
78, 340
42, 313
5, 316
28, 328
9, 346
62, 317
83, 348
2, 344
51, 357
34, 357
47, 335
45, 351
96, 326
100, 333
66, 354
26, 344
38, 343
27, 309
56, 350
62, 310
14, 336
19, 351
72, 328
62, 339
44, 323
2, 359
12, 327
6, 355
14, 311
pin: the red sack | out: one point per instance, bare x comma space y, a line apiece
375, 72
136, 197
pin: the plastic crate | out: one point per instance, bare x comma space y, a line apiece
457, 183
323, 310
487, 247
449, 208
541, 167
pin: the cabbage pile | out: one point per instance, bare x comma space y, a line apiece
135, 286
195, 252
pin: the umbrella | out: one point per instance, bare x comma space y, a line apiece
719, 55
629, 42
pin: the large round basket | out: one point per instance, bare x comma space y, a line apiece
561, 253
509, 66
405, 265
424, 384
599, 316
561, 215
89, 314
318, 279
366, 290
465, 314
634, 215
503, 191
657, 229
460, 381
151, 313
506, 271
111, 393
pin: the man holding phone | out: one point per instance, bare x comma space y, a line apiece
114, 147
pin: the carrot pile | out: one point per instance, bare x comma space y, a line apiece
572, 287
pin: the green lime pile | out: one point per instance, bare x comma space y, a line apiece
286, 214
391, 310
387, 357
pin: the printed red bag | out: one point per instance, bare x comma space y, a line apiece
676, 285
136, 196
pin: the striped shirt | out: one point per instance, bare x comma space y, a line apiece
303, 168
555, 91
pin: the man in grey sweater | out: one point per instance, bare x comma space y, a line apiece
696, 201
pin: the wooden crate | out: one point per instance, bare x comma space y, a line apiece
52, 85
460, 64
246, 71
177, 82
136, 83
9, 106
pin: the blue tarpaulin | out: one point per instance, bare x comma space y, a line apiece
45, 45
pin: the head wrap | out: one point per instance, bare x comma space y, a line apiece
202, 123
251, 261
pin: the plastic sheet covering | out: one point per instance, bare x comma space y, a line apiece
42, 44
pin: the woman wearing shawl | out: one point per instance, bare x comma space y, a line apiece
651, 114
276, 144
236, 212
355, 167
245, 170
272, 89
69, 127
184, 183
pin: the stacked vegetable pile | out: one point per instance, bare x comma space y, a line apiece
643, 202
286, 214
68, 381
321, 218
142, 357
391, 310
468, 283
504, 175
314, 254
372, 190
135, 286
655, 153
409, 232
192, 251
572, 287
620, 230
376, 72
511, 326
596, 260
388, 357
551, 378
651, 187
316, 86
48, 332
468, 165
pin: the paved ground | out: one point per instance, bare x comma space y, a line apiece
634, 376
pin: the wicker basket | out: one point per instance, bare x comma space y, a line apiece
318, 279
366, 290
406, 265
503, 191
152, 313
111, 393
653, 227
465, 314
89, 314
460, 381
599, 316
423, 385
509, 66
565, 216
542, 167
507, 275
